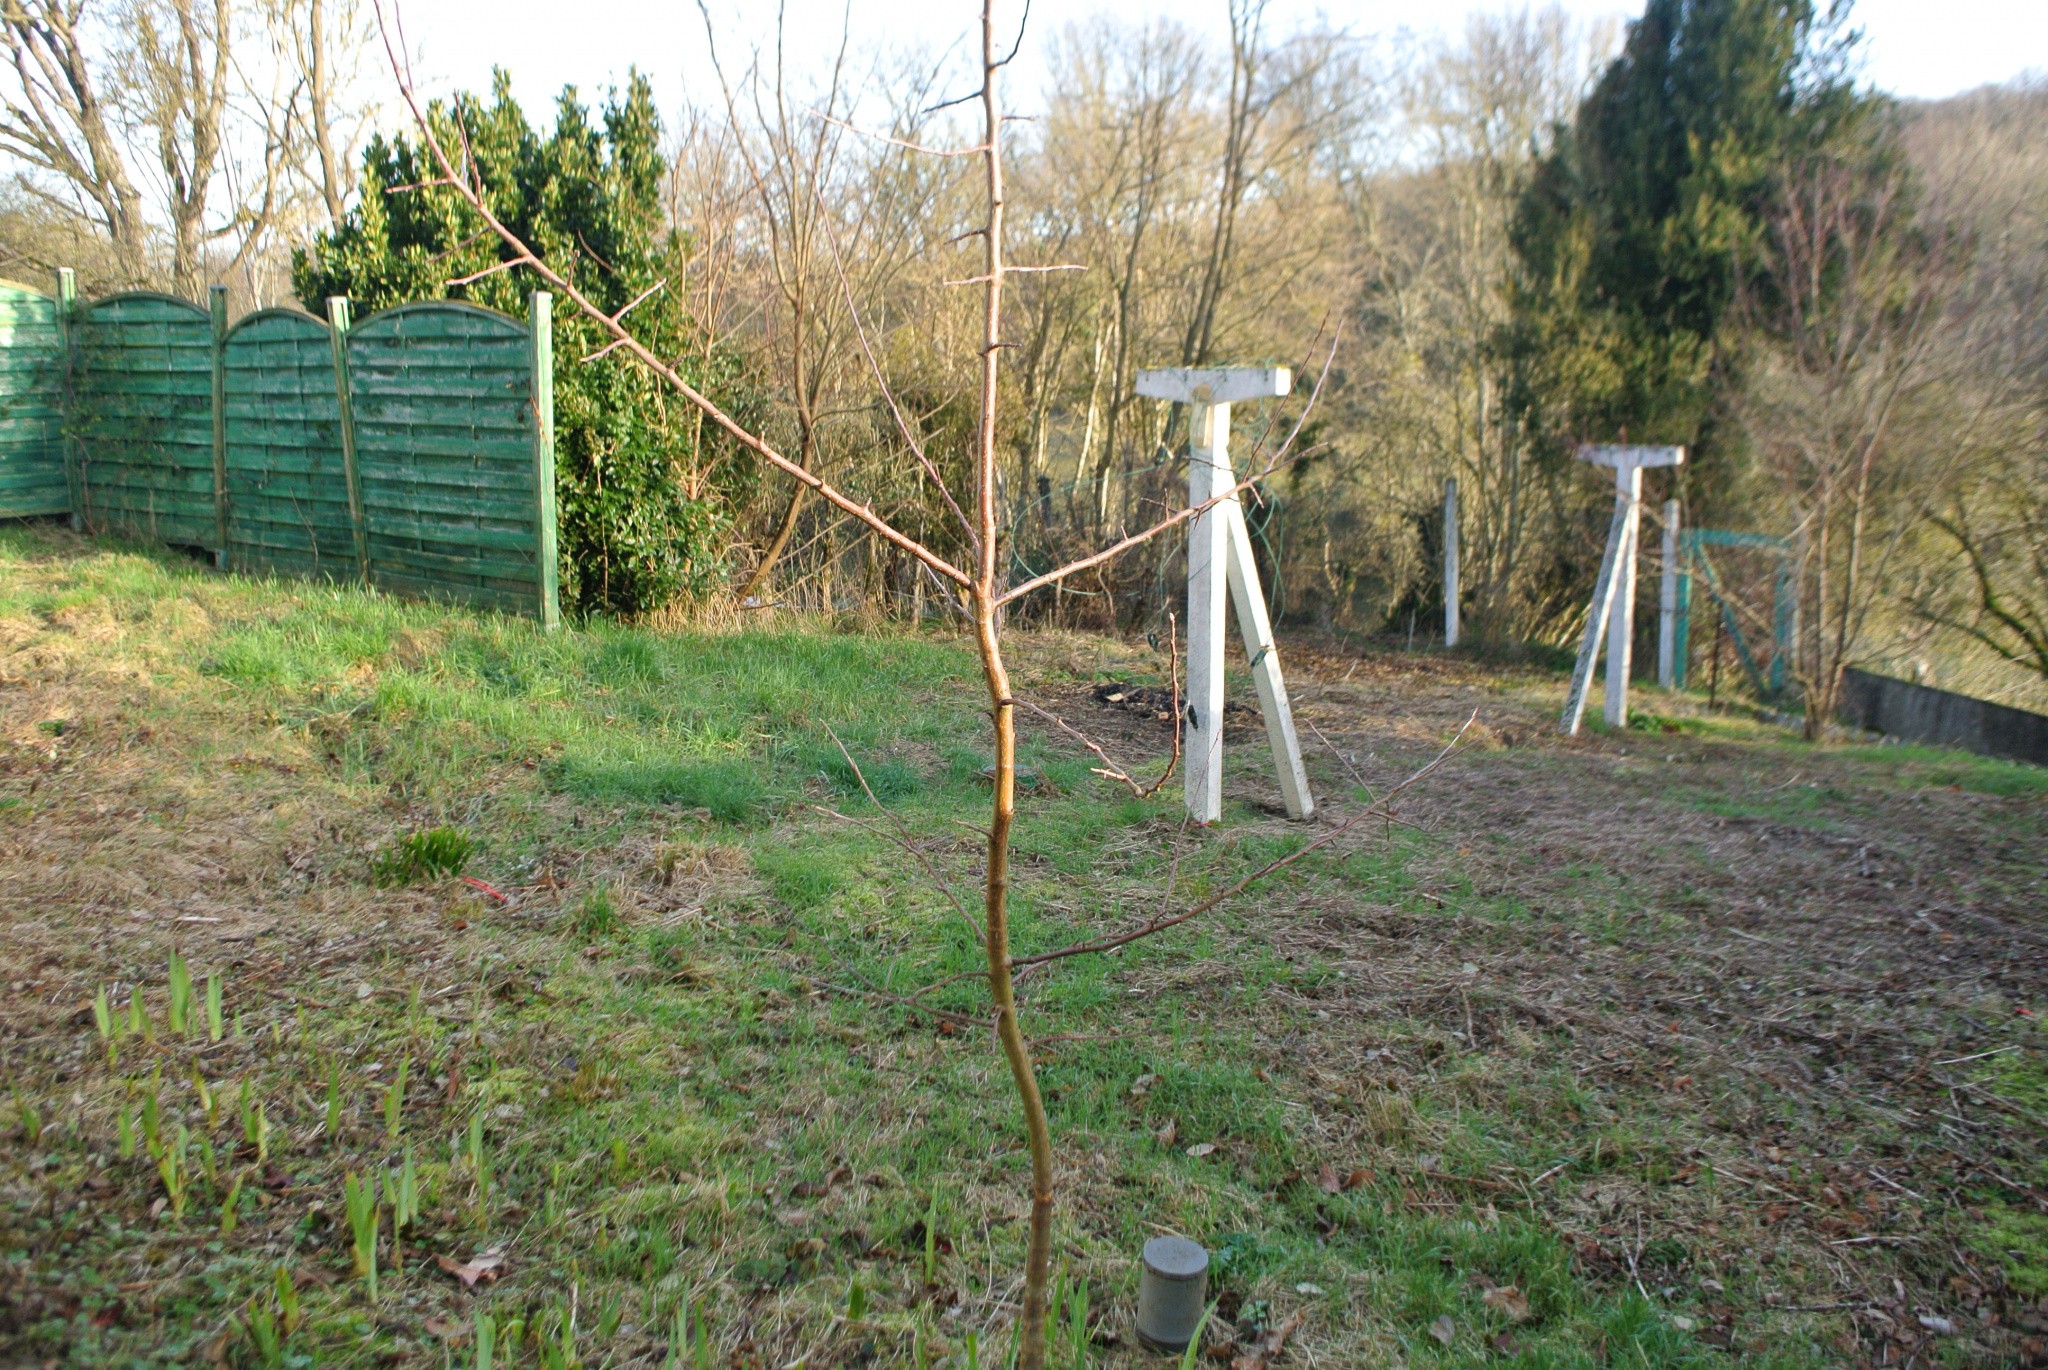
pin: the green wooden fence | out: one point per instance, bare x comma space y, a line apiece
31, 405
413, 450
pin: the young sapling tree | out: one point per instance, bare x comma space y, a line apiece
979, 586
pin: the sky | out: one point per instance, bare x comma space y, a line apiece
1917, 48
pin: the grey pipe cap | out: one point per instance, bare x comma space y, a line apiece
1171, 1292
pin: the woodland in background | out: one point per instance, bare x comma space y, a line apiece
1698, 230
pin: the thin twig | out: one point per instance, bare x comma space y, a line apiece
943, 1015
1013, 270
525, 259
897, 142
1345, 760
635, 302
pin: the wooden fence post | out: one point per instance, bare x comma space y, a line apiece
217, 310
1451, 561
540, 309
337, 337
67, 340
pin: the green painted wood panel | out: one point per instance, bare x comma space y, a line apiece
142, 414
287, 491
442, 399
32, 480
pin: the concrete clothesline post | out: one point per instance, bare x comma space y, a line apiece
1451, 561
1613, 612
1621, 609
1219, 563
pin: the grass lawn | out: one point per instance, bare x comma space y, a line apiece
1688, 1045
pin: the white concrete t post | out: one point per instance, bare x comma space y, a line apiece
1621, 613
1220, 564
1614, 593
1208, 559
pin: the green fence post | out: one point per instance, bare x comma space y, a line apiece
337, 337
67, 341
217, 307
548, 574
1783, 607
1682, 652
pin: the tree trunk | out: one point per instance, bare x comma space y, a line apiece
757, 580
319, 95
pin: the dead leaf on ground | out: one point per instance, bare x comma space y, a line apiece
1169, 1133
1143, 1085
1443, 1329
1507, 1301
818, 1189
484, 1266
1202, 1149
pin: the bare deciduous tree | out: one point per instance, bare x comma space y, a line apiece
319, 44
1853, 307
191, 125
58, 122
830, 231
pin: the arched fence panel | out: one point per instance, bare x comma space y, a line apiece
444, 415
414, 451
32, 479
141, 418
287, 481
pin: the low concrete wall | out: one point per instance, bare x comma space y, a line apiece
1916, 713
